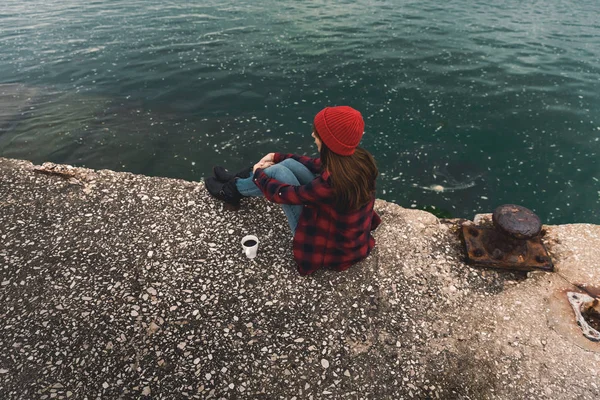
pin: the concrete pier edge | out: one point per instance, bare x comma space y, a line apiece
115, 285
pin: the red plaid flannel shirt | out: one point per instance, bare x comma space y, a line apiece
325, 237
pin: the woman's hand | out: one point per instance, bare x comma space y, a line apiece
268, 158
262, 164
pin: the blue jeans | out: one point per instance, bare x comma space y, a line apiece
288, 171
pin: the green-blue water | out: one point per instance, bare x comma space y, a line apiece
468, 105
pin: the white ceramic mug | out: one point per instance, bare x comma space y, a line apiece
250, 245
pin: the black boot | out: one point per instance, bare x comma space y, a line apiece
224, 191
225, 176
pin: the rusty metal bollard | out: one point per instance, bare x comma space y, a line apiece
512, 242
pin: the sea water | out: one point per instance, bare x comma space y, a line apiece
468, 104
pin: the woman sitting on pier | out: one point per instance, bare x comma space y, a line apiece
328, 201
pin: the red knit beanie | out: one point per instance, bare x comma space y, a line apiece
340, 128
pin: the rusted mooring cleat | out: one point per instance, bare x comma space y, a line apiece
512, 243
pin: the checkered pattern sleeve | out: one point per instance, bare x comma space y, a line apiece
313, 164
317, 191
375, 221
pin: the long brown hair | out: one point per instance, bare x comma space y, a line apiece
352, 177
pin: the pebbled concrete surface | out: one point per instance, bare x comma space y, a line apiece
116, 285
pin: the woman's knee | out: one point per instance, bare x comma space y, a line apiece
273, 169
302, 173
290, 163
277, 171
282, 174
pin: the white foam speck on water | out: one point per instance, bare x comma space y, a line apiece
93, 49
